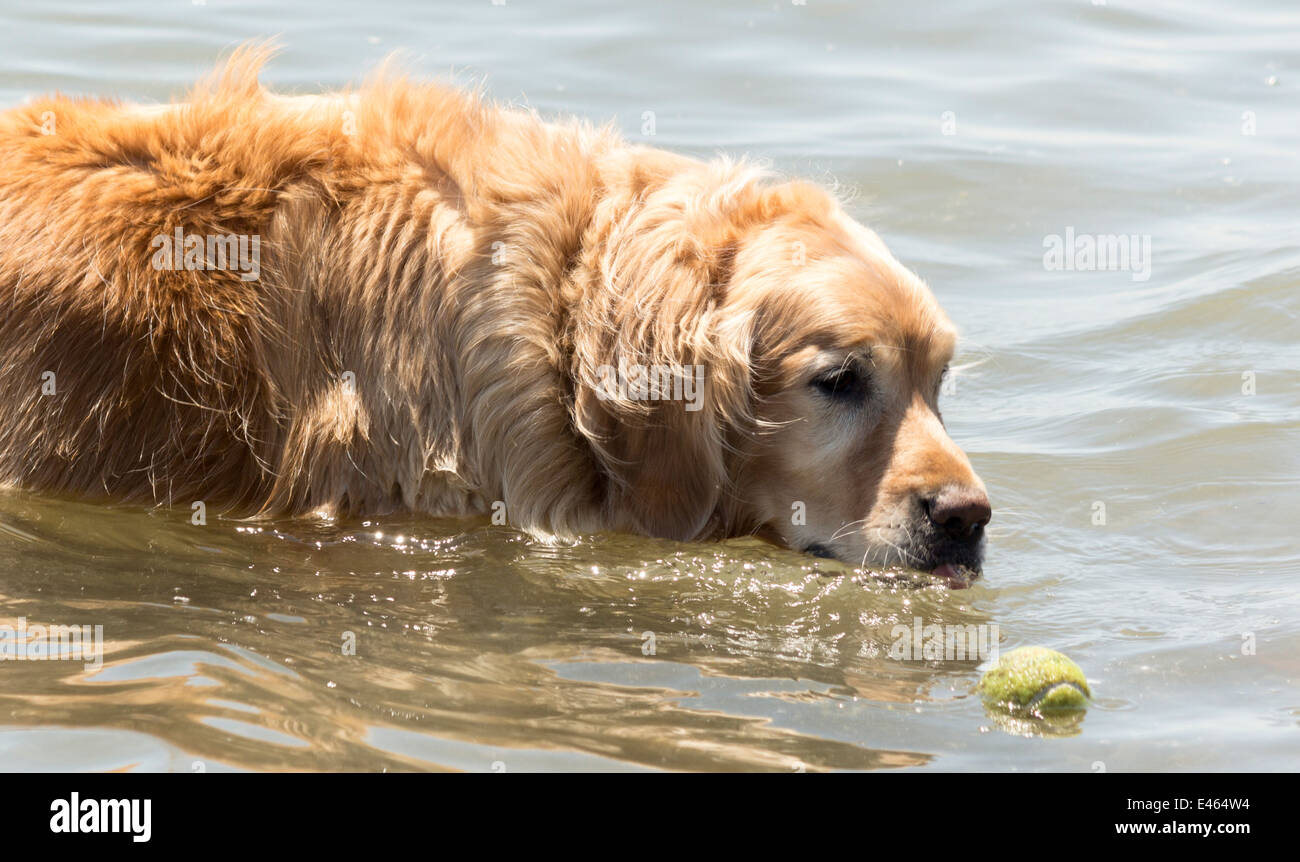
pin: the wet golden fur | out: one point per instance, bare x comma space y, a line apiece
440, 281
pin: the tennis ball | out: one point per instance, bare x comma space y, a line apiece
1036, 679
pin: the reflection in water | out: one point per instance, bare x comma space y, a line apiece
1023, 724
307, 646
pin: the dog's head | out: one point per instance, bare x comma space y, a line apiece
821, 360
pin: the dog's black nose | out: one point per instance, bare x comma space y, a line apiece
960, 512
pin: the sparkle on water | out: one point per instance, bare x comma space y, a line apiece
1138, 436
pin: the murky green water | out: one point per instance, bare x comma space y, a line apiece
476, 648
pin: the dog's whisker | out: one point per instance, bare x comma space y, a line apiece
846, 529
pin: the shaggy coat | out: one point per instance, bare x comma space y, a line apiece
439, 285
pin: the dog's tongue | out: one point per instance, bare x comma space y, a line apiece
956, 577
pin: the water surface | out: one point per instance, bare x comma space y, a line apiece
965, 136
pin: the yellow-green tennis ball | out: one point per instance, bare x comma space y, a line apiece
1036, 679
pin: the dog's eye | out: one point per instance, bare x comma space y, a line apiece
938, 387
843, 383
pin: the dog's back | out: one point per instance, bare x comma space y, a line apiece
118, 376
310, 366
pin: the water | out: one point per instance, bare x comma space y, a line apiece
479, 649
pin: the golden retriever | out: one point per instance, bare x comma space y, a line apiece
403, 298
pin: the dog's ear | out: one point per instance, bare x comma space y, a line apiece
661, 369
